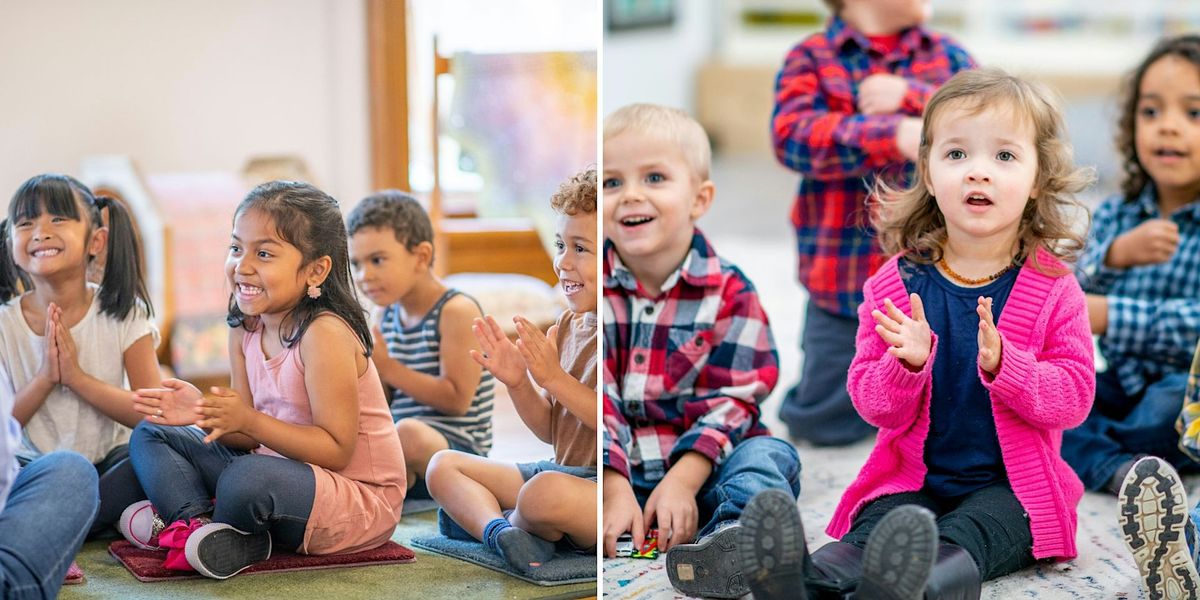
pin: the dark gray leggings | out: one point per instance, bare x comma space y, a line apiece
990, 524
183, 477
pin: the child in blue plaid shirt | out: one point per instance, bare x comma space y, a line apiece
1143, 271
688, 357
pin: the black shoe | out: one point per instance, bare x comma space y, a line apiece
709, 568
899, 555
220, 551
773, 552
1154, 520
954, 576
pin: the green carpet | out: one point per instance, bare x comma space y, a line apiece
431, 576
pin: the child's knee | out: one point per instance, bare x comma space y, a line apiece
541, 499
443, 466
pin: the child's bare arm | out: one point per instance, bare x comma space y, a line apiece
540, 352
141, 367
451, 391
672, 504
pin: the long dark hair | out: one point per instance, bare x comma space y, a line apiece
124, 283
310, 220
1186, 47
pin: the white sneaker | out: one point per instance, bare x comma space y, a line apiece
140, 524
220, 550
1156, 526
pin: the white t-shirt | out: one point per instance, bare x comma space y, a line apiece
66, 421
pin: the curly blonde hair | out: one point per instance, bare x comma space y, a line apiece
576, 195
909, 221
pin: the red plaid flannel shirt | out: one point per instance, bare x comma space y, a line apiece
686, 370
818, 132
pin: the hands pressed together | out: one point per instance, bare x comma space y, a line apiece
911, 340
60, 364
181, 403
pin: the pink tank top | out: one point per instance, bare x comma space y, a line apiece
356, 508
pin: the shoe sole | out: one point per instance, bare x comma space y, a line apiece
223, 553
772, 546
711, 568
1153, 513
899, 555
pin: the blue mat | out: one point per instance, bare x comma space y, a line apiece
565, 568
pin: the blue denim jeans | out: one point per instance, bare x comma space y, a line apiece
50, 508
818, 408
1121, 426
757, 464
182, 475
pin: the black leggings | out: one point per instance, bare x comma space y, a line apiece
990, 524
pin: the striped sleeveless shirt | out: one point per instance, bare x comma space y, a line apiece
419, 348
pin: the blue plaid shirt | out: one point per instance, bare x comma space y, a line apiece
1153, 310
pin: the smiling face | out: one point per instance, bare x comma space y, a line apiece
384, 269
1167, 126
262, 269
48, 244
651, 198
982, 169
575, 260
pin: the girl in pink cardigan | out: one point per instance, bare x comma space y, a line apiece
973, 355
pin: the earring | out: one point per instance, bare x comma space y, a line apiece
314, 292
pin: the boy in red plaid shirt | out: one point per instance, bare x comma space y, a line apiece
688, 356
848, 104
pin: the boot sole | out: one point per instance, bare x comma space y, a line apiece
772, 547
710, 569
899, 555
1153, 513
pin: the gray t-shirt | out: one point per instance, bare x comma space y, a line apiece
66, 421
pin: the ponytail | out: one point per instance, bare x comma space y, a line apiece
12, 281
124, 280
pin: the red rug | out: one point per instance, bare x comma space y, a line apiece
146, 565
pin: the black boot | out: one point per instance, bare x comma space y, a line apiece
773, 552
837, 568
954, 576
709, 568
899, 555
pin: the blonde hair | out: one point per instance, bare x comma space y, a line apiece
576, 195
908, 220
670, 124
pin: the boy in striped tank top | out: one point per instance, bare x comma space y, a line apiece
520, 511
439, 400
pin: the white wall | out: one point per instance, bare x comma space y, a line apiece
184, 86
659, 64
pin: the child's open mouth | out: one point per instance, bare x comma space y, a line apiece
636, 221
978, 200
571, 287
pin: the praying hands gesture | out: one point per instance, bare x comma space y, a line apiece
499, 355
911, 339
989, 338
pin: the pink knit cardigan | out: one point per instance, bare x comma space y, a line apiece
1046, 384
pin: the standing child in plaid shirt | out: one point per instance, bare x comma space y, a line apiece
848, 106
1142, 273
688, 355
973, 356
